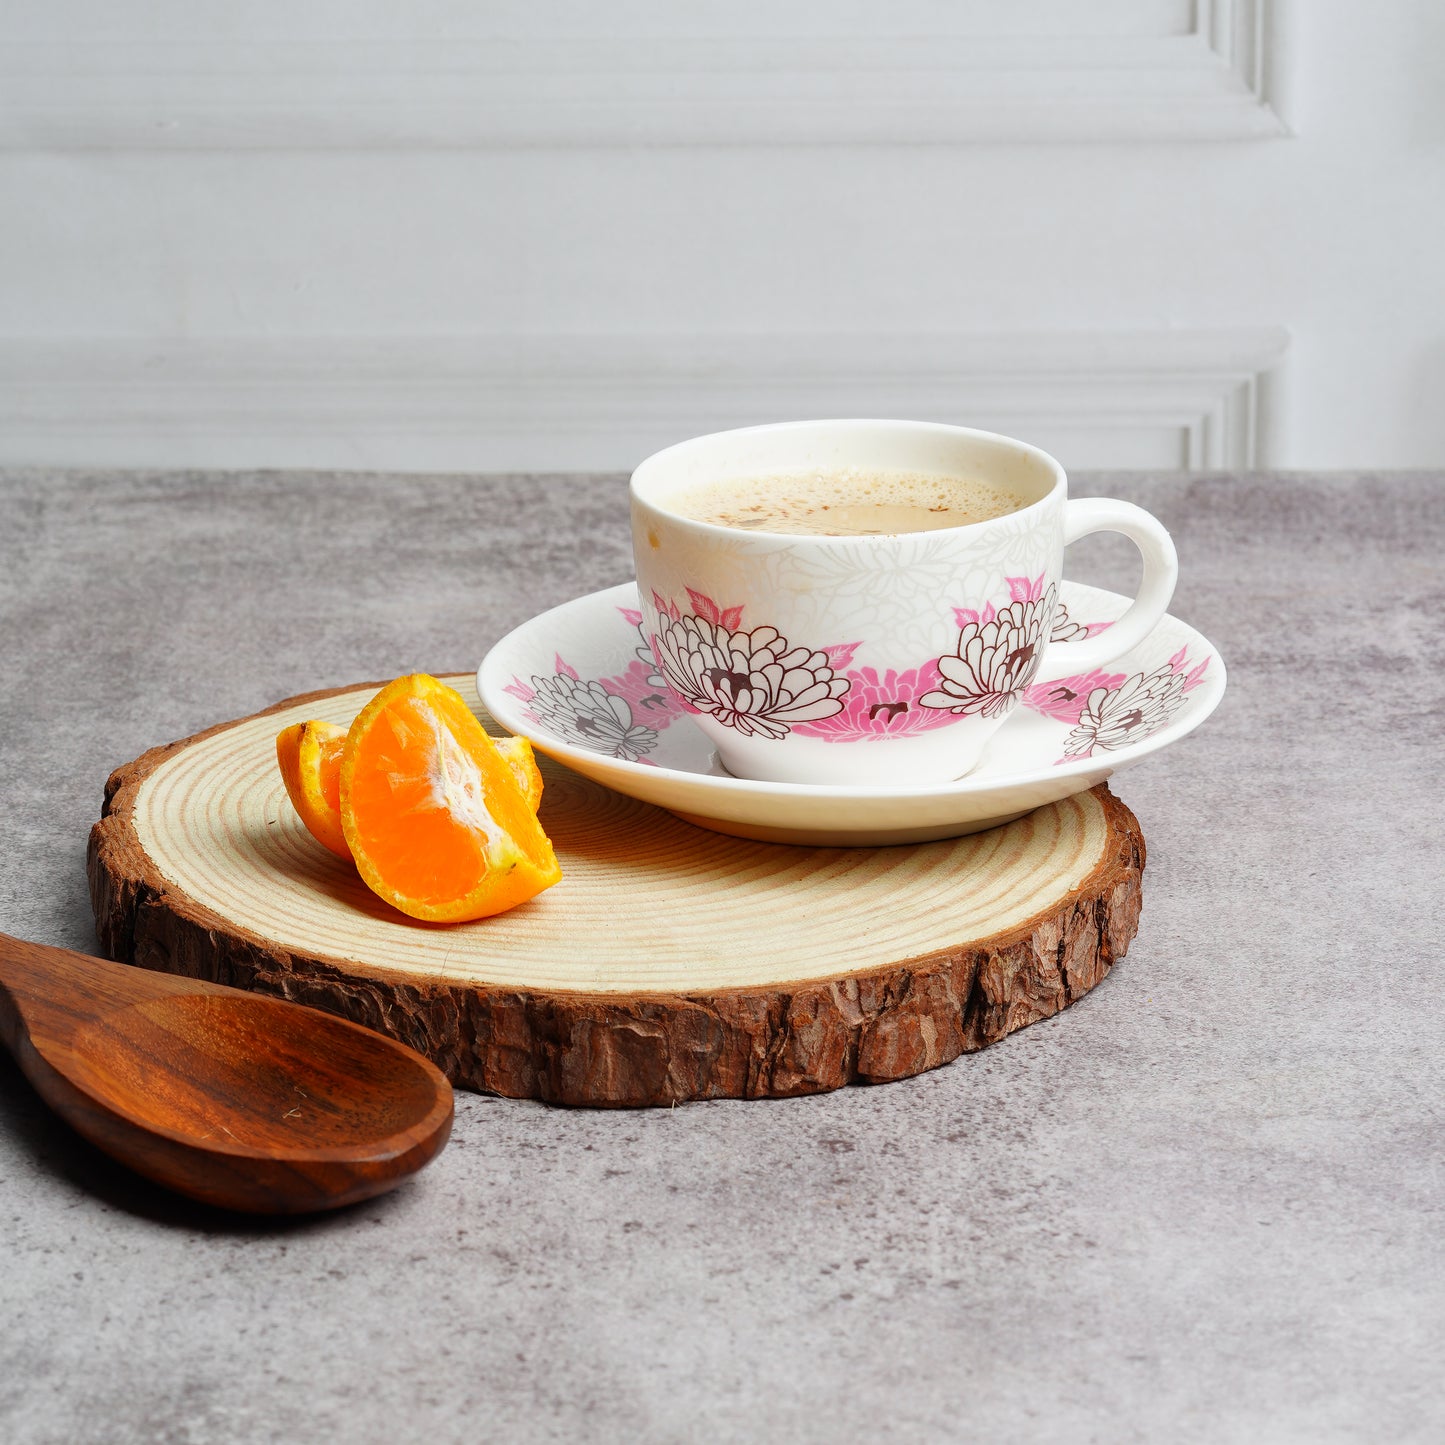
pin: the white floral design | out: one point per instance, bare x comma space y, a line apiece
587, 714
752, 681
1119, 716
996, 658
1138, 707
1065, 629
898, 586
643, 651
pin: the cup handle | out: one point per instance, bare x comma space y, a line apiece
1083, 515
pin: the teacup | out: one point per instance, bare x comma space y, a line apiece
870, 660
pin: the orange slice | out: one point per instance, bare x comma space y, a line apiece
434, 816
523, 763
310, 757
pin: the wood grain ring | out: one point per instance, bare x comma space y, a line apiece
670, 964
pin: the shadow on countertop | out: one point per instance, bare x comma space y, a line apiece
57, 1150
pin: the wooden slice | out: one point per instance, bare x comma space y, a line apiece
670, 963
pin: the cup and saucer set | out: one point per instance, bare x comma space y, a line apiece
775, 680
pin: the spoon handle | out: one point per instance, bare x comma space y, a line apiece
46, 995
52, 991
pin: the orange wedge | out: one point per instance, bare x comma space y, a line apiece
523, 763
310, 757
435, 818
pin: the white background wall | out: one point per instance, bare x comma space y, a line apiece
439, 234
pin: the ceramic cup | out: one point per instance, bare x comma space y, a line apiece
875, 660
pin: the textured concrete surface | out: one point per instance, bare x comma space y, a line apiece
1205, 1204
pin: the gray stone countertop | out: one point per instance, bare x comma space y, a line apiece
1206, 1203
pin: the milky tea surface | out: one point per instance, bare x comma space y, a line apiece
850, 503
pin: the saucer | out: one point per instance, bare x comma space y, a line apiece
580, 683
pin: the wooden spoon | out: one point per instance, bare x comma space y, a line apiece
229, 1097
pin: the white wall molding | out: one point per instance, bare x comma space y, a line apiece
1158, 400
1033, 70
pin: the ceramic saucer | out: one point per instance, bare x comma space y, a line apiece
580, 682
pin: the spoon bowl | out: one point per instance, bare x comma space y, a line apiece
237, 1099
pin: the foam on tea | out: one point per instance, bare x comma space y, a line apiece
851, 503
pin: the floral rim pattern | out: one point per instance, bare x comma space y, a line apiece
704, 660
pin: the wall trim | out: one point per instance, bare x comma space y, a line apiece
1206, 77
1171, 398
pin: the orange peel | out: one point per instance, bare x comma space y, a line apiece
309, 754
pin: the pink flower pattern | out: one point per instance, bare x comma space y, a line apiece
886, 706
645, 693
758, 683
1066, 697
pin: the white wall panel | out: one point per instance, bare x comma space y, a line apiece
226, 242
743, 72
559, 403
